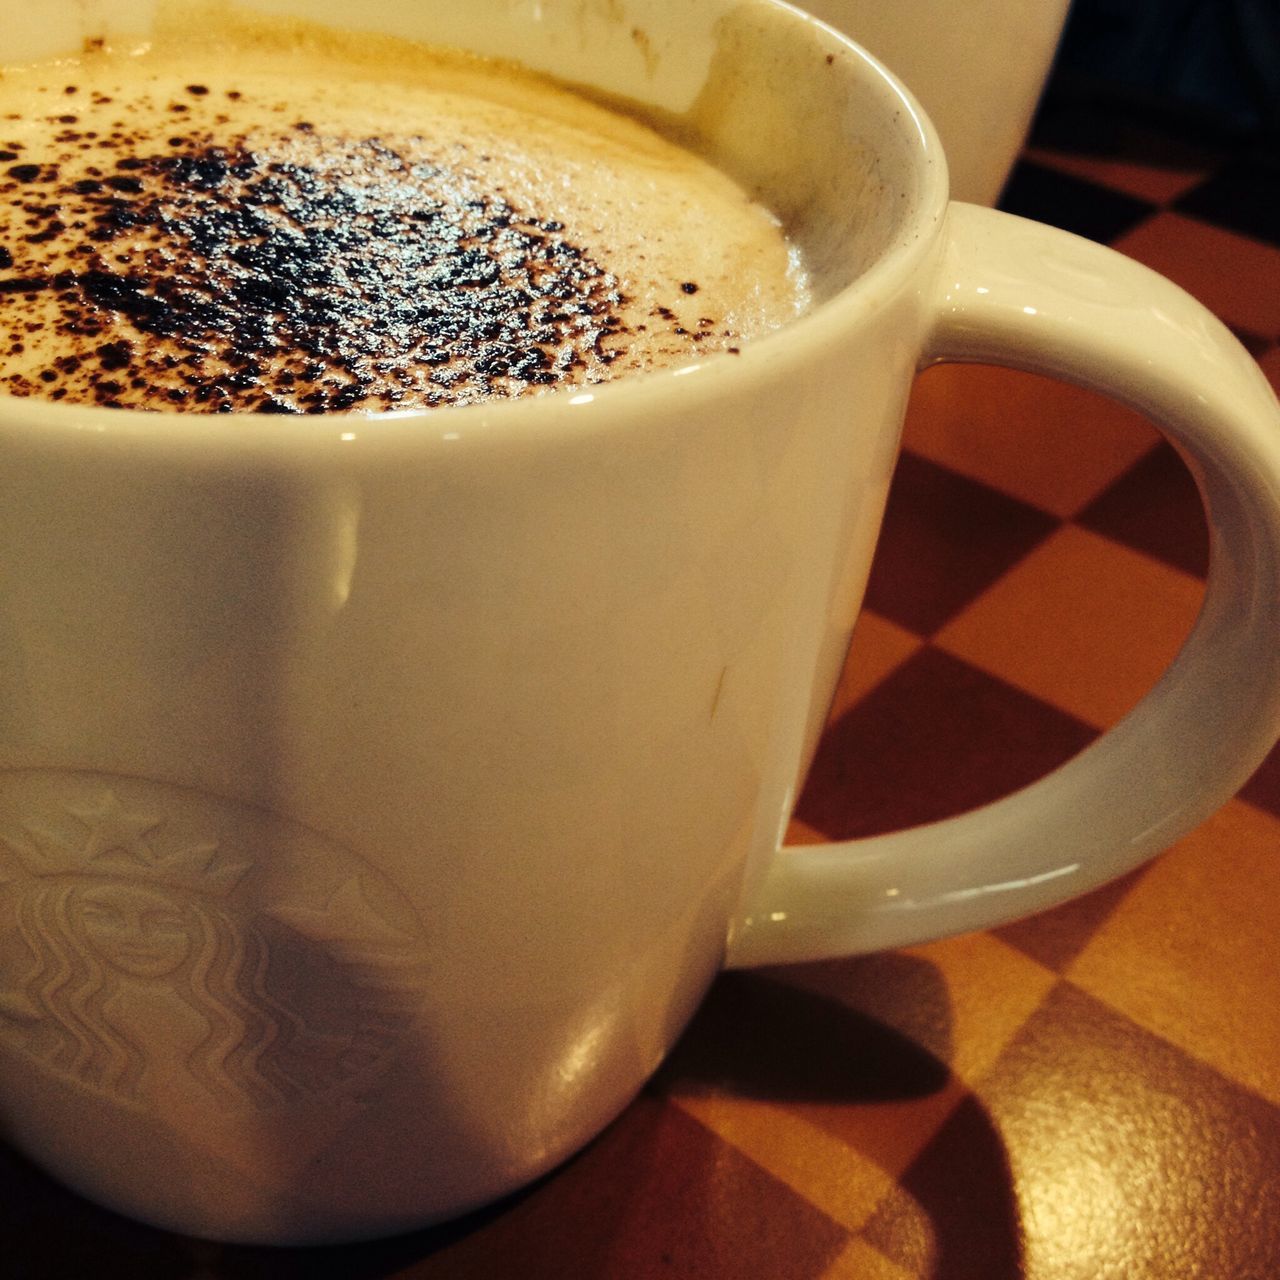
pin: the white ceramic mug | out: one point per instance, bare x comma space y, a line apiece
443, 758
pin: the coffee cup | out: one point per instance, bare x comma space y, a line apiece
379, 795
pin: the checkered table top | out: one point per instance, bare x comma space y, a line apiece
1091, 1093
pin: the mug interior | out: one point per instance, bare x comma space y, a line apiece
805, 120
808, 123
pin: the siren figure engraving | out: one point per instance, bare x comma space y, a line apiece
135, 960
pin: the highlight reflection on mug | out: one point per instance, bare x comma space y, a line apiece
133, 959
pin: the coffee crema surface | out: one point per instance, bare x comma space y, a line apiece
287, 220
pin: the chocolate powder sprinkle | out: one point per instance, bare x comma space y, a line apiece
321, 274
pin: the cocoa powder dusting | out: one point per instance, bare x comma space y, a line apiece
275, 219
309, 274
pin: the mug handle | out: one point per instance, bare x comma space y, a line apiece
1016, 293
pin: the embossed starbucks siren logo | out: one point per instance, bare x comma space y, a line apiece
158, 941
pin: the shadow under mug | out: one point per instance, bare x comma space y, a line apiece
450, 752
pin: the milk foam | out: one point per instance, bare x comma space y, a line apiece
287, 221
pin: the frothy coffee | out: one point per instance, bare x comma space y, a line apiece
281, 220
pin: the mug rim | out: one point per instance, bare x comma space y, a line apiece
572, 409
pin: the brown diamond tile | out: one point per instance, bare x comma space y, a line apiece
1270, 362
962, 999
954, 1212
1235, 277
767, 1037
1159, 184
1263, 789
1080, 115
965, 999
937, 737
878, 647
1206, 909
1155, 507
1129, 1157
801, 833
945, 539
1083, 622
1063, 200
758, 1037
843, 1182
826, 1097
1046, 443
859, 1261
1243, 196
1256, 345
1054, 938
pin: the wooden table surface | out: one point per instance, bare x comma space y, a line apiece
1091, 1093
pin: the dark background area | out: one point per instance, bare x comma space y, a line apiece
1206, 69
